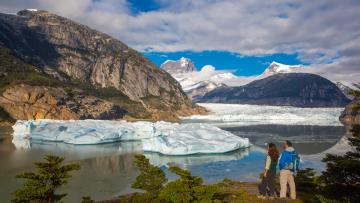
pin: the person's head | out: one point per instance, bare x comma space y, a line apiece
287, 144
273, 152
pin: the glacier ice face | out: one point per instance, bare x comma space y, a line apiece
162, 137
240, 114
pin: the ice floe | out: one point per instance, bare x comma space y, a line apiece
239, 114
162, 137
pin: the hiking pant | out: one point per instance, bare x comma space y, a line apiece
268, 182
286, 177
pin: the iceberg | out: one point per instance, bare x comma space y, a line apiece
243, 114
162, 137
185, 139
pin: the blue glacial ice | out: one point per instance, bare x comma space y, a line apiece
162, 137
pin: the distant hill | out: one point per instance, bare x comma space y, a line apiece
284, 89
41, 51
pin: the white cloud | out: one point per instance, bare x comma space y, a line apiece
318, 31
207, 69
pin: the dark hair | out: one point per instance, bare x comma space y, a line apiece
273, 152
288, 143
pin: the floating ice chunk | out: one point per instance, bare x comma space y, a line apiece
162, 137
194, 139
85, 131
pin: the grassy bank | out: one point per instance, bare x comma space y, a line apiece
228, 191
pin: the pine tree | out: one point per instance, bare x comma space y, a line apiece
42, 185
151, 178
341, 180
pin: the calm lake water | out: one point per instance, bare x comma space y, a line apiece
108, 169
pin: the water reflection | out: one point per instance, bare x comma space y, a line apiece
307, 139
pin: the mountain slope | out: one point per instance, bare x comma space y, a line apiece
75, 54
290, 89
199, 89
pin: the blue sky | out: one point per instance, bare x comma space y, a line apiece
138, 6
223, 60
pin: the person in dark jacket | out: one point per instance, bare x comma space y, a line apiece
288, 165
267, 185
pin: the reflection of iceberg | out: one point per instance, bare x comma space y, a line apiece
21, 143
340, 148
184, 161
162, 137
239, 114
83, 152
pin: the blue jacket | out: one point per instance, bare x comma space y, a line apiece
289, 160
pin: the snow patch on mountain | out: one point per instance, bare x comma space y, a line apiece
275, 68
32, 9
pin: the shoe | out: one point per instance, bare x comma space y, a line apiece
261, 197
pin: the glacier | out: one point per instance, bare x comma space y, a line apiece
161, 137
243, 114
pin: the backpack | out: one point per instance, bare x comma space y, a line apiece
292, 161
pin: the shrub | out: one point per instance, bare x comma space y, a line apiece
187, 189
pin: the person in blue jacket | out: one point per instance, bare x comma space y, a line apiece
288, 165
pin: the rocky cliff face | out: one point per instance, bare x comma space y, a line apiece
351, 114
39, 102
68, 51
291, 89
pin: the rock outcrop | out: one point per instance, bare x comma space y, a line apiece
39, 102
351, 114
73, 53
290, 89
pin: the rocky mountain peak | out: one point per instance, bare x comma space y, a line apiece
183, 65
275, 68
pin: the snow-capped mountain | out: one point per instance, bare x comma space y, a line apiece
183, 65
275, 68
196, 83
